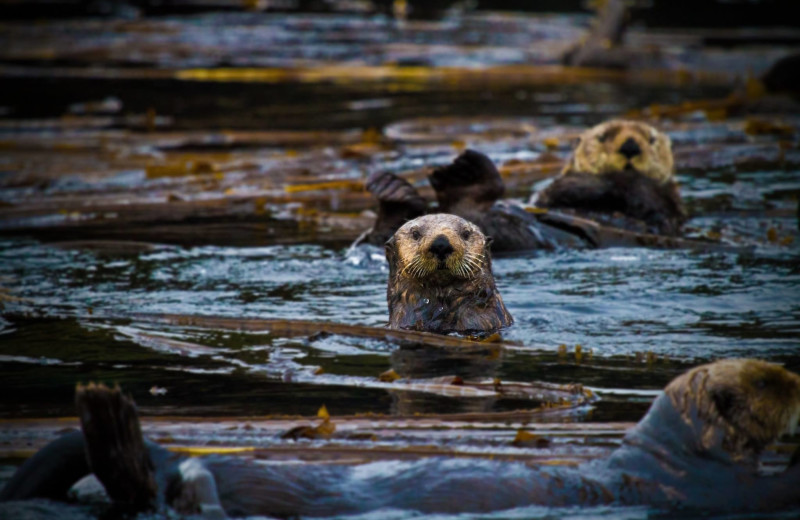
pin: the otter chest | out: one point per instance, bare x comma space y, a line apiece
445, 310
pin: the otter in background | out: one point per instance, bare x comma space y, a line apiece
621, 174
620, 171
695, 450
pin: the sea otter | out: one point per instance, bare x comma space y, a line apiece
470, 187
624, 169
621, 174
440, 278
695, 449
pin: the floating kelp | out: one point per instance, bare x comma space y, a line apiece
353, 439
289, 328
431, 130
356, 440
156, 183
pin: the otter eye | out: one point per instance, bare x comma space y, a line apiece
652, 138
466, 234
761, 384
415, 234
602, 138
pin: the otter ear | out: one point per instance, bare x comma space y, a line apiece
390, 247
488, 241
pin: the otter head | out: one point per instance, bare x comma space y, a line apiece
737, 405
623, 145
438, 245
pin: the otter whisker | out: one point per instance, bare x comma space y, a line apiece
472, 263
413, 268
409, 268
468, 263
421, 268
467, 272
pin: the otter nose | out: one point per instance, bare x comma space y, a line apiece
630, 148
441, 247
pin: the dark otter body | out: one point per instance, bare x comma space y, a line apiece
442, 306
440, 278
471, 187
695, 449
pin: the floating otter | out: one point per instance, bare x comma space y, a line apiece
734, 408
620, 174
696, 449
623, 168
470, 187
440, 278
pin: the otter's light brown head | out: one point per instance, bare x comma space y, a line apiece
744, 403
623, 145
439, 244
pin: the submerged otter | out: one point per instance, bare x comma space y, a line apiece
696, 448
621, 169
440, 278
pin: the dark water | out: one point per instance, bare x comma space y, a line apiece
640, 316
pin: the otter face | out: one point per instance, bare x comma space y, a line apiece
440, 243
760, 398
750, 402
623, 145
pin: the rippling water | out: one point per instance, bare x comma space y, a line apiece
72, 314
618, 304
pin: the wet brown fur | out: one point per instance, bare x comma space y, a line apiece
743, 403
457, 294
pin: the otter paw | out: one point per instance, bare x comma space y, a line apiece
388, 187
469, 168
468, 186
